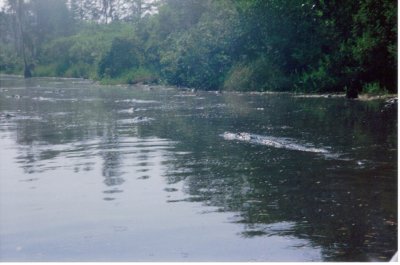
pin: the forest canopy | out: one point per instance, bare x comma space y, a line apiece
246, 45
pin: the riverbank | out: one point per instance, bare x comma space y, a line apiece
150, 84
361, 97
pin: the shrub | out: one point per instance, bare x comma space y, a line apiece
373, 88
122, 55
260, 75
133, 76
9, 61
80, 70
48, 70
318, 78
239, 78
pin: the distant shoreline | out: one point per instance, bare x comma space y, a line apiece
361, 97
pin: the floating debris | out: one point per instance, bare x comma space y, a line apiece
139, 119
170, 189
130, 110
44, 99
332, 95
390, 103
137, 101
7, 115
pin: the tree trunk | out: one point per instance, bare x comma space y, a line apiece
353, 89
17, 6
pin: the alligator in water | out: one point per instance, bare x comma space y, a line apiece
277, 142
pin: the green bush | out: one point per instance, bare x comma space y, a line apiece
10, 63
239, 78
80, 54
315, 80
122, 55
80, 70
133, 76
48, 70
258, 75
373, 88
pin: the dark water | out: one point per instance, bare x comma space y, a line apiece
92, 173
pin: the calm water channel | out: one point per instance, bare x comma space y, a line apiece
139, 173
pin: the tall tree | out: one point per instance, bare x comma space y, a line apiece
20, 12
52, 19
374, 42
108, 10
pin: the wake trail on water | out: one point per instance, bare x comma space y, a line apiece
277, 142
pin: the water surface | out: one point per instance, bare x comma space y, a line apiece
142, 173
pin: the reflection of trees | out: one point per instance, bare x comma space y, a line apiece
339, 203
111, 169
59, 123
70, 128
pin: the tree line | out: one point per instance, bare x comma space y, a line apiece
246, 45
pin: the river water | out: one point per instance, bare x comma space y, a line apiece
140, 173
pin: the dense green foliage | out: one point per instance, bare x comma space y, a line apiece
286, 45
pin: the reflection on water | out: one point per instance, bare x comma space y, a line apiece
97, 173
